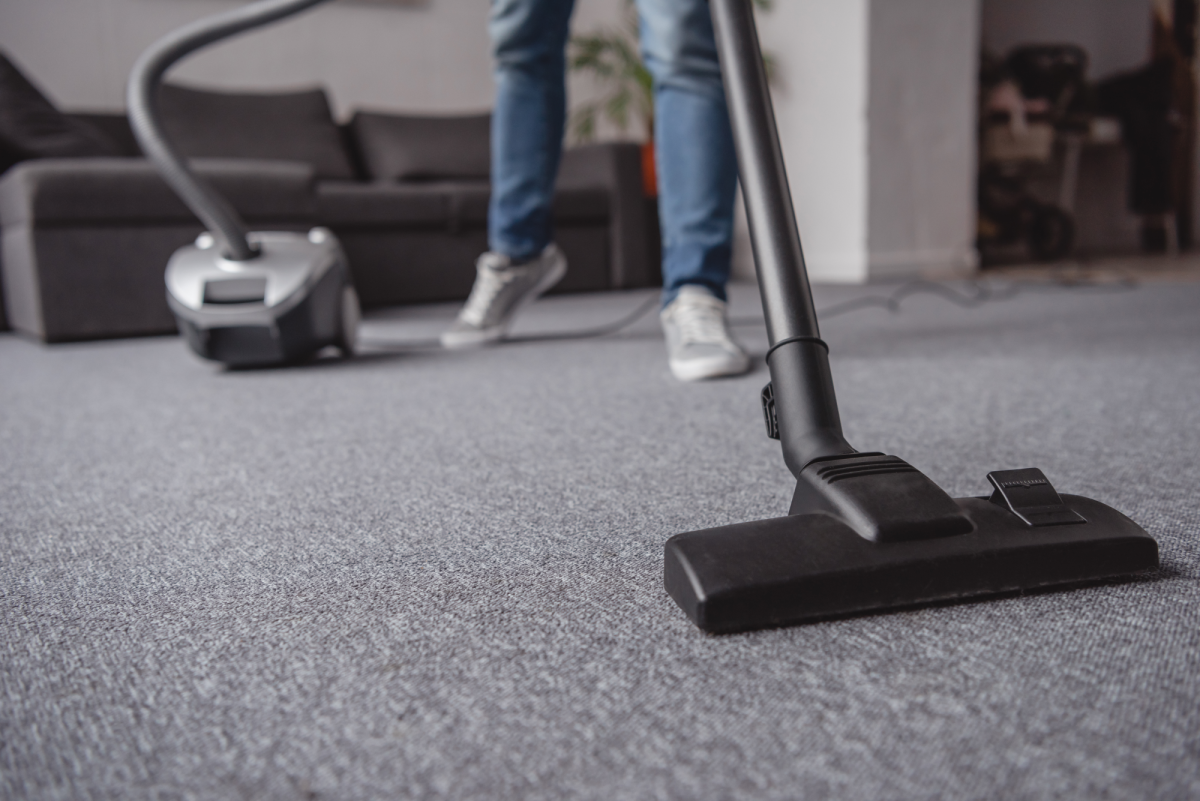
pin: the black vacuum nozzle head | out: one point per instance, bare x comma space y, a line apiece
865, 531
817, 564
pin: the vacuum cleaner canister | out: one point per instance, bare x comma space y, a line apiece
286, 304
241, 298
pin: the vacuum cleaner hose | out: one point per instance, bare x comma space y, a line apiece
213, 210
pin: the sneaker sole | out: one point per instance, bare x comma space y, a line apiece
711, 367
453, 340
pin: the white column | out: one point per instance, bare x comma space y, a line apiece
820, 53
921, 118
875, 102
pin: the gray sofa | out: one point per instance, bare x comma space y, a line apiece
85, 240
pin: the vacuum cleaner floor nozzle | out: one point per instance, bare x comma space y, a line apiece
865, 531
807, 567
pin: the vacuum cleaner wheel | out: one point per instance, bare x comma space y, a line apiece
351, 315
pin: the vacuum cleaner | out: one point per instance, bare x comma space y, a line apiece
242, 299
866, 531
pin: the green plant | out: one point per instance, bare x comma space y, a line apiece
612, 57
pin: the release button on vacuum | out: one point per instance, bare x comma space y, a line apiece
1030, 496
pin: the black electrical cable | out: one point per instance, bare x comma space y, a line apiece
583, 333
599, 331
978, 294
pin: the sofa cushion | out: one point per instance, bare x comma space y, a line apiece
124, 191
115, 126
447, 203
289, 126
408, 148
31, 127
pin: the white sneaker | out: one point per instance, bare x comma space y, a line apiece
698, 341
501, 290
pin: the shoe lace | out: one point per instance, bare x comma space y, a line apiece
492, 278
701, 320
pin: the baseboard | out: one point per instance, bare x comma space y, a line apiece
948, 262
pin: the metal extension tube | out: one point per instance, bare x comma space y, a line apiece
809, 426
141, 96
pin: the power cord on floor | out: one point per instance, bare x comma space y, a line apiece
599, 331
583, 333
978, 293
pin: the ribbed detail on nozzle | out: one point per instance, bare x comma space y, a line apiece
885, 464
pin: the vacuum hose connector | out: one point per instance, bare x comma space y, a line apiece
807, 414
142, 98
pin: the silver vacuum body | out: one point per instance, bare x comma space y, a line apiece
294, 299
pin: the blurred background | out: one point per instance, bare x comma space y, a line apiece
922, 136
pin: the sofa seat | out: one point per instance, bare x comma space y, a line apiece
85, 241
418, 241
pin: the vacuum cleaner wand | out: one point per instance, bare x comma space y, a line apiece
865, 531
803, 397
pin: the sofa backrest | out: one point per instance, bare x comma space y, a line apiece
115, 126
32, 127
396, 147
289, 126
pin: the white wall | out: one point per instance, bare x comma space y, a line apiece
820, 49
429, 55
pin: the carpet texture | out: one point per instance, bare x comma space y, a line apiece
438, 575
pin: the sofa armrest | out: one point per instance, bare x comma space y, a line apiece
617, 168
119, 191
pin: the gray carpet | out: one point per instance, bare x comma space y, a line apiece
438, 575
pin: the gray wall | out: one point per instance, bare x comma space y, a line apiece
1116, 33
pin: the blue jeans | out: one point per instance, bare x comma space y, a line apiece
697, 170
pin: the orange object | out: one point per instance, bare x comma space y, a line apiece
649, 172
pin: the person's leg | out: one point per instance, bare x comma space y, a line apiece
529, 49
697, 169
529, 40
697, 182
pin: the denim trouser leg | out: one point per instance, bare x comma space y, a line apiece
528, 45
697, 169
